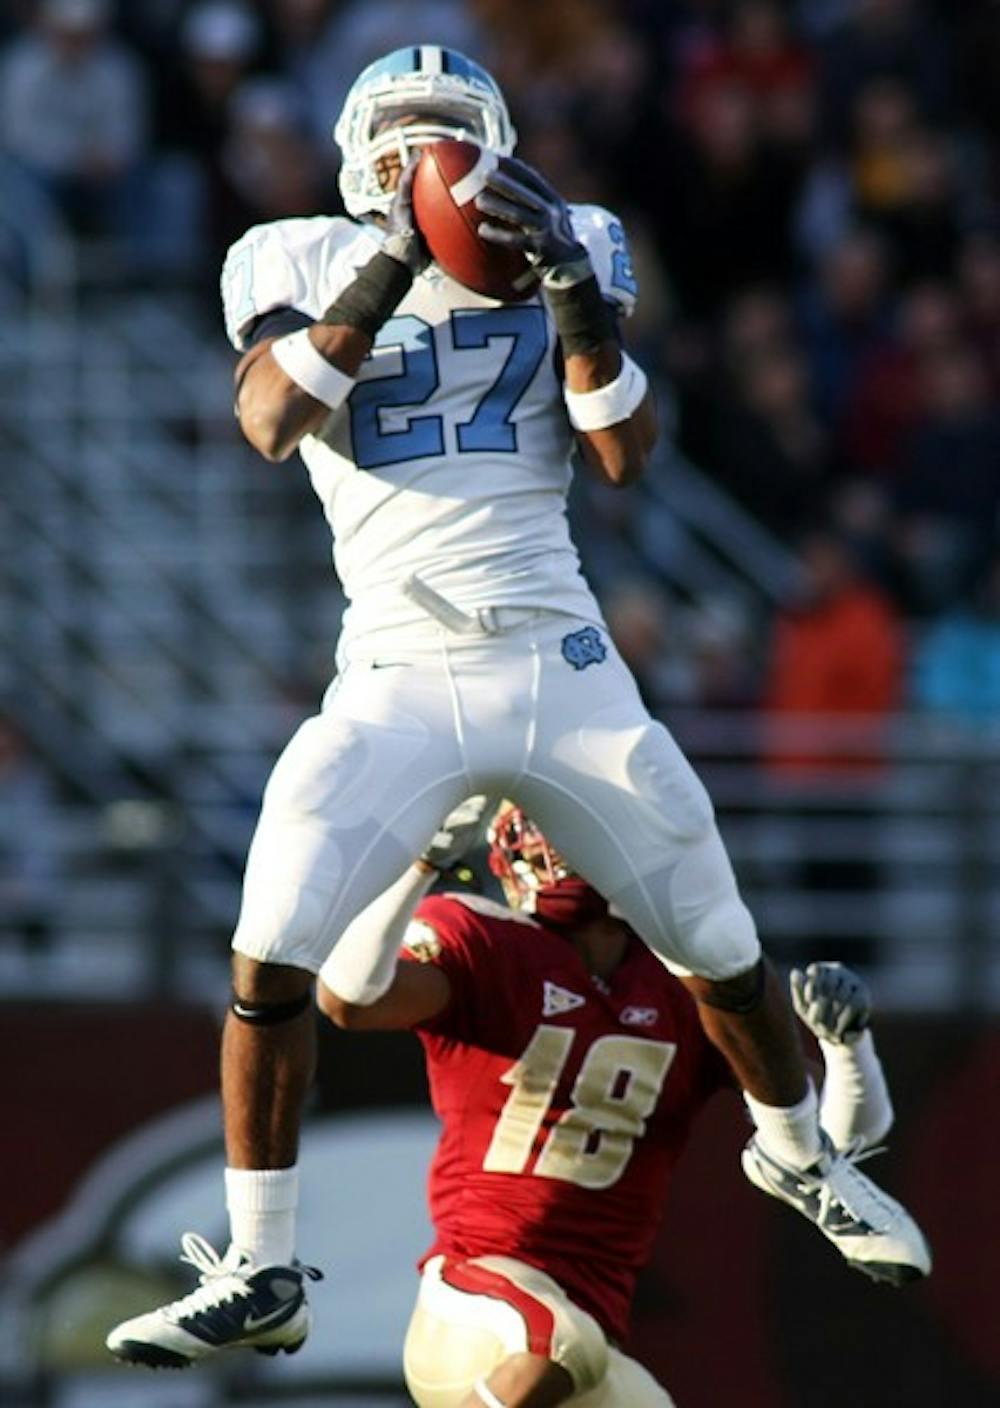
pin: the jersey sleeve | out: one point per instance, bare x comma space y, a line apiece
446, 933
280, 265
604, 237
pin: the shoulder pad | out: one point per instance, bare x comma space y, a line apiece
463, 908
491, 909
602, 234
283, 264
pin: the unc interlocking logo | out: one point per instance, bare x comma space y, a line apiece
584, 648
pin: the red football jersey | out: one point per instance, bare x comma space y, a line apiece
565, 1101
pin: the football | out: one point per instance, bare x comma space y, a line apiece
449, 176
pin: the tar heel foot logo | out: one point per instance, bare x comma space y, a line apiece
638, 1016
557, 1000
584, 647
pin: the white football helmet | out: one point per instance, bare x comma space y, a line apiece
439, 92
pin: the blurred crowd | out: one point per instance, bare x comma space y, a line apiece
812, 189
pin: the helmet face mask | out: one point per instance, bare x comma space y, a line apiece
522, 859
405, 101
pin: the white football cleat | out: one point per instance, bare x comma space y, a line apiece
237, 1305
872, 1232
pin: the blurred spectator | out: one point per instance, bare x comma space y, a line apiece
978, 40
152, 25
722, 177
978, 269
29, 840
73, 112
270, 170
886, 38
642, 619
723, 659
219, 43
833, 679
860, 513
884, 125
756, 322
698, 655
844, 316
607, 109
771, 451
837, 652
555, 148
956, 666
948, 496
14, 15
359, 31
923, 225
299, 30
33, 236
757, 52
818, 17
883, 402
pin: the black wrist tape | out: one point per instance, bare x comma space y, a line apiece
583, 320
373, 297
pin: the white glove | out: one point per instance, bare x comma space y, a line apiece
460, 831
832, 1001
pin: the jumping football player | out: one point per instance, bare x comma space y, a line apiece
438, 428
566, 1066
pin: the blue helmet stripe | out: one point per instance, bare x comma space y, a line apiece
458, 64
425, 58
399, 61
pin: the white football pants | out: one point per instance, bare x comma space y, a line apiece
540, 708
460, 1332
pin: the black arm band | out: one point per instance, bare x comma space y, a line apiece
373, 297
740, 997
275, 324
269, 1014
583, 320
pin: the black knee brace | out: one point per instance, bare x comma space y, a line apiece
744, 1003
269, 1014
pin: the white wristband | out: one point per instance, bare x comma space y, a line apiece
608, 405
486, 1394
305, 364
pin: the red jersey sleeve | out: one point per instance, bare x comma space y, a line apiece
460, 941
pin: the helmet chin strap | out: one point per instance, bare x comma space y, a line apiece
568, 903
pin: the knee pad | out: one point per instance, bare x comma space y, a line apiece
269, 1014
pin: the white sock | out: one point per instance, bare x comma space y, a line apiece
262, 1203
789, 1134
855, 1104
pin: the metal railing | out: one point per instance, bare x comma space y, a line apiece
161, 587
875, 844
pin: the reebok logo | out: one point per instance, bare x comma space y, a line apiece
556, 1000
638, 1016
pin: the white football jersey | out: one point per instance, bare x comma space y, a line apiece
450, 460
